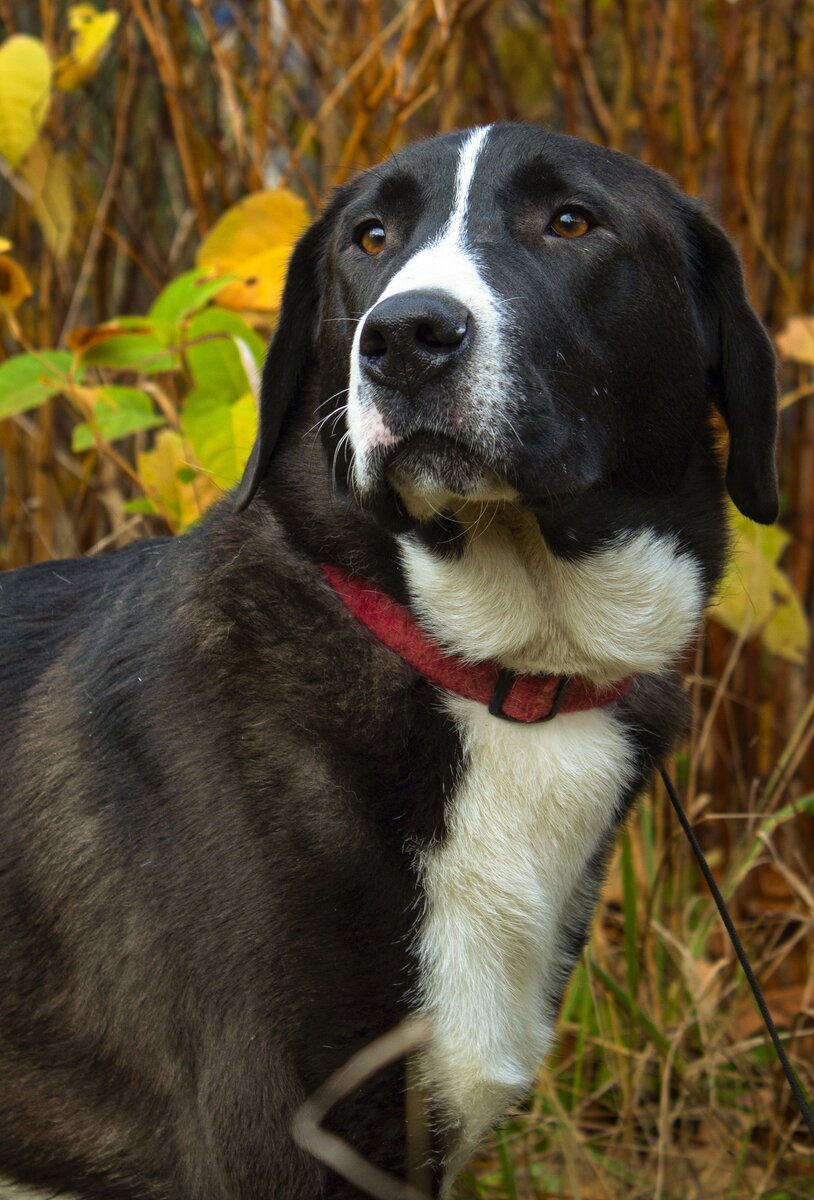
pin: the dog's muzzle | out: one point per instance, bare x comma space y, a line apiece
416, 411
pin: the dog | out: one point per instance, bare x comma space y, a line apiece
357, 747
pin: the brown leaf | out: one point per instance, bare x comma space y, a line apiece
14, 285
84, 337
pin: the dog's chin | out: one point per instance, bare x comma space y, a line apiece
431, 474
431, 470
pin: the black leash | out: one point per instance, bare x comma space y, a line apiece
780, 1050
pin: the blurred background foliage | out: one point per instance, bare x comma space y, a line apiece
157, 160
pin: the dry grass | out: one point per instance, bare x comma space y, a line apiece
661, 1086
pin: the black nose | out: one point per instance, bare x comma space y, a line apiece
411, 337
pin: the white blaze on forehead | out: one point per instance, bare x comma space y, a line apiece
467, 161
444, 264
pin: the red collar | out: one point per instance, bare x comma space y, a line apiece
524, 698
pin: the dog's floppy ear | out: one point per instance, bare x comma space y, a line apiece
291, 353
742, 370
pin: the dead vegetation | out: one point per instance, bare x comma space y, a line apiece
661, 1086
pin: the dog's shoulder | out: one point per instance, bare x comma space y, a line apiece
102, 606
45, 608
52, 599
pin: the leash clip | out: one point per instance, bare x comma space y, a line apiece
505, 679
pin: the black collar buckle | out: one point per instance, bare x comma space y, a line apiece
502, 688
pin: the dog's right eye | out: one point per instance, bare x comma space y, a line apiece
371, 237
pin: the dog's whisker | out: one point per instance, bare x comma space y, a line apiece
342, 392
336, 413
344, 438
479, 533
338, 417
352, 472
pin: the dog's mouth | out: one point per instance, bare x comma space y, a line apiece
427, 473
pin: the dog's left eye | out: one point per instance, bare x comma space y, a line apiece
570, 223
371, 237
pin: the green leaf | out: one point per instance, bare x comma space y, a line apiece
143, 350
27, 380
164, 333
187, 294
215, 362
141, 504
119, 412
221, 435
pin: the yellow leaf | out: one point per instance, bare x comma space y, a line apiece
796, 341
49, 178
788, 632
14, 285
163, 472
92, 31
25, 93
5, 245
253, 240
755, 597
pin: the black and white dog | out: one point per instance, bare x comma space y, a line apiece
260, 798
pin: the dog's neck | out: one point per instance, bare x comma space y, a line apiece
489, 586
629, 607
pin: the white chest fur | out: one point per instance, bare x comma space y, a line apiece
533, 803
631, 606
531, 808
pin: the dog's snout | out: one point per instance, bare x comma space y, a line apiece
410, 337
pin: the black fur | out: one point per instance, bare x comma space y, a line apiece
213, 781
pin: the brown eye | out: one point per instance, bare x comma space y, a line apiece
570, 223
372, 238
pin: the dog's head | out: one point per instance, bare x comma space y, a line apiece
509, 313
